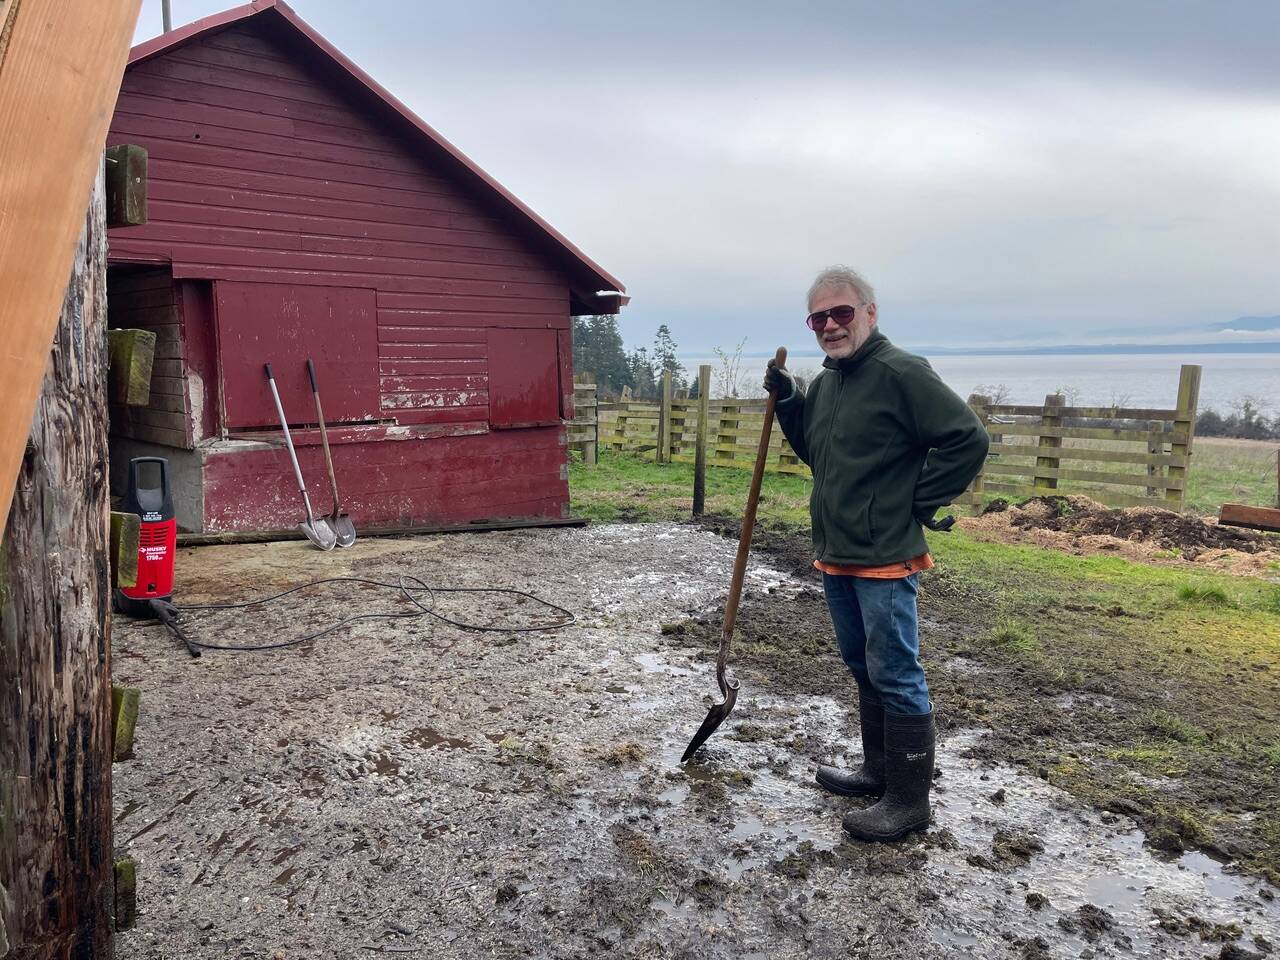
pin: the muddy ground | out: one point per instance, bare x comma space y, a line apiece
1082, 526
408, 787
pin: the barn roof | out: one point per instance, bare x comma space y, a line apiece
593, 289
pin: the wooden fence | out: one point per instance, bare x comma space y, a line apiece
1100, 450
583, 429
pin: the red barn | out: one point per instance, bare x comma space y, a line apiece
296, 209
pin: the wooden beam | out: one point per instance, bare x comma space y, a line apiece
125, 529
55, 635
124, 714
132, 355
1256, 518
60, 68
126, 898
126, 185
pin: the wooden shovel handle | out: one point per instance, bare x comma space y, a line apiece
748, 523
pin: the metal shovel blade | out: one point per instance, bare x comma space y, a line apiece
319, 532
343, 529
715, 716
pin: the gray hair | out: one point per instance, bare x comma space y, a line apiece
842, 276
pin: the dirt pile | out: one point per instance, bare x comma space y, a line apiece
1150, 534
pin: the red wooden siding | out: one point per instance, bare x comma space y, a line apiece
145, 300
505, 473
284, 325
525, 380
263, 169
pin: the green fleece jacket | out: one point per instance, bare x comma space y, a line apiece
888, 443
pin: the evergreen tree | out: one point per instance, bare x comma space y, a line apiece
665, 360
597, 349
643, 382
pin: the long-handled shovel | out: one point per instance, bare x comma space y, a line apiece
728, 686
342, 526
317, 529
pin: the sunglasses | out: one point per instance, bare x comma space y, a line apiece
843, 315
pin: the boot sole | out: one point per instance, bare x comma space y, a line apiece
886, 837
840, 791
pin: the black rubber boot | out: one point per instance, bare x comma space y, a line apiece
908, 768
868, 779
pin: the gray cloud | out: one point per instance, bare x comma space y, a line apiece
1046, 170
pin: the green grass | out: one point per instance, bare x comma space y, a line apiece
1207, 595
1171, 727
1014, 635
634, 488
1160, 760
1231, 471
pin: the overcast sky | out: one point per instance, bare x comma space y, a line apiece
1050, 171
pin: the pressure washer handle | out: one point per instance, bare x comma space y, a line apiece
167, 614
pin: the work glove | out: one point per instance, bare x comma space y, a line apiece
778, 380
938, 526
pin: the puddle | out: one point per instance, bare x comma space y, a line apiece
1084, 862
657, 663
965, 666
427, 738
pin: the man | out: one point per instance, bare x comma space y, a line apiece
888, 443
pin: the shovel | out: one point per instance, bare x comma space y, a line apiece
317, 530
728, 686
341, 524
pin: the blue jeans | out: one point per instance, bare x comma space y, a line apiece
875, 623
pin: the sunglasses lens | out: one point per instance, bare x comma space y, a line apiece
841, 315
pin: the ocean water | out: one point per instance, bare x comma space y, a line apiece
1136, 380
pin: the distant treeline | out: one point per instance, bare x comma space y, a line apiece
1246, 422
598, 349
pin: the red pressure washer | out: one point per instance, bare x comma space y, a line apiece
149, 496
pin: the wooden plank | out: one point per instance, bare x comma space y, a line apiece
700, 446
664, 419
61, 68
126, 893
124, 713
126, 185
1184, 427
131, 354
979, 405
1255, 518
125, 528
1094, 476
55, 631
1130, 435
1046, 460
1097, 413
1005, 450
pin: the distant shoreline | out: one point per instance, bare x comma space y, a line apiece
1068, 350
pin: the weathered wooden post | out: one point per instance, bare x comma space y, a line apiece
700, 442
1155, 449
1047, 462
56, 868
978, 404
1184, 428
664, 419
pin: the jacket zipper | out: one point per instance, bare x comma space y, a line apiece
826, 450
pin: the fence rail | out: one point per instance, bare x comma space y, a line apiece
1032, 448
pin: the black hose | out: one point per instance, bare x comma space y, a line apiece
408, 587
